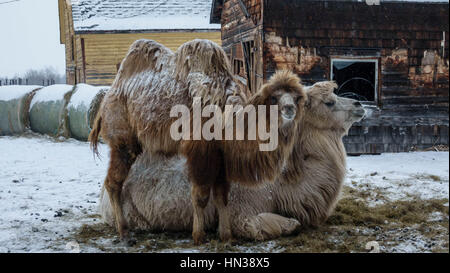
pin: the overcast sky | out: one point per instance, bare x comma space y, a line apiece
29, 36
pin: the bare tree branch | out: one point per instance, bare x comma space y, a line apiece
9, 2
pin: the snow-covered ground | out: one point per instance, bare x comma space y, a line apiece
401, 176
49, 189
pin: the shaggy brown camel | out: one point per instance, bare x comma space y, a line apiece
156, 193
135, 117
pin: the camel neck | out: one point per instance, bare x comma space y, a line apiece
324, 145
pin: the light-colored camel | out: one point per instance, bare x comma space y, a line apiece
156, 192
135, 117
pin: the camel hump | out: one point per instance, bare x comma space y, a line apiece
205, 68
144, 55
202, 56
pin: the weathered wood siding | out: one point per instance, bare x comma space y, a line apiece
410, 41
242, 22
67, 37
406, 37
398, 130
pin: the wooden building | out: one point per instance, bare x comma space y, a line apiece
97, 34
392, 56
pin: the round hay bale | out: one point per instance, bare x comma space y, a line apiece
14, 108
48, 110
82, 108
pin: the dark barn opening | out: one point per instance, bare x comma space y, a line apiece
356, 79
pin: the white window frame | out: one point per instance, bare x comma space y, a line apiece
360, 60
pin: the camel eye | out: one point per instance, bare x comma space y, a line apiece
273, 100
330, 104
299, 98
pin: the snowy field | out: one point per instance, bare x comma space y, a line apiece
49, 196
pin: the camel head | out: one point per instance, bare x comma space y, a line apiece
285, 91
325, 110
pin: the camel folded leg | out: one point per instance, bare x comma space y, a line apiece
266, 226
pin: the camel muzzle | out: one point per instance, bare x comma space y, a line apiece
360, 113
288, 112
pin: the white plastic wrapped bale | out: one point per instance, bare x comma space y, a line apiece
82, 109
14, 108
48, 110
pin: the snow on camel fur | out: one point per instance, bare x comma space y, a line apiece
135, 117
156, 193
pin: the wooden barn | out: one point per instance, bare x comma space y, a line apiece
97, 34
393, 56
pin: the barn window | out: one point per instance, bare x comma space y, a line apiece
356, 78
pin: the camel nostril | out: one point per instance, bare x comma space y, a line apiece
357, 103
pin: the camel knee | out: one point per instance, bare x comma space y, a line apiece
112, 185
121, 159
200, 195
202, 201
221, 190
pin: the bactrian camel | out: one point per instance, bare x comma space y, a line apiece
134, 118
156, 193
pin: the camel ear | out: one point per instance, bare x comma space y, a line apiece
260, 97
333, 86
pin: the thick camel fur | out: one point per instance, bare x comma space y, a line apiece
134, 118
157, 191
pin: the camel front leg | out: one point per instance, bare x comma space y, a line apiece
204, 161
200, 197
267, 226
119, 166
220, 192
